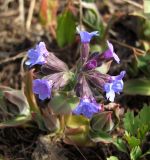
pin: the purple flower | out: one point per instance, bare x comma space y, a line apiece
82, 87
98, 79
43, 88
86, 36
91, 64
87, 108
37, 56
115, 86
110, 53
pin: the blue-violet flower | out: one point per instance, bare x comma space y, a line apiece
87, 108
110, 53
43, 88
115, 86
86, 36
37, 56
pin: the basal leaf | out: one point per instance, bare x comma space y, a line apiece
62, 104
76, 121
15, 122
100, 137
102, 122
18, 98
77, 131
66, 28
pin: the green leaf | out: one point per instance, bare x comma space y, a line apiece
17, 106
142, 61
130, 123
77, 121
92, 17
147, 6
144, 115
18, 98
135, 153
62, 104
100, 137
146, 29
112, 158
121, 145
132, 141
102, 122
137, 126
15, 122
77, 131
137, 87
66, 28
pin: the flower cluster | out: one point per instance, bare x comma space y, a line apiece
54, 71
89, 76
54, 74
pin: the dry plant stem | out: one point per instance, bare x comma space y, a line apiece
140, 52
134, 4
110, 23
21, 11
80, 151
80, 14
22, 73
30, 14
9, 59
9, 14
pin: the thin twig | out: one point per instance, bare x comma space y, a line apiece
9, 59
30, 14
9, 13
21, 11
22, 71
80, 14
134, 4
79, 151
128, 46
108, 27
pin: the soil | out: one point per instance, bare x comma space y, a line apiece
25, 143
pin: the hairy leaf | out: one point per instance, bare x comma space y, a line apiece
102, 121
100, 136
66, 28
62, 104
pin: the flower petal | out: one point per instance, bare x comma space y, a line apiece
43, 88
110, 95
86, 36
87, 108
